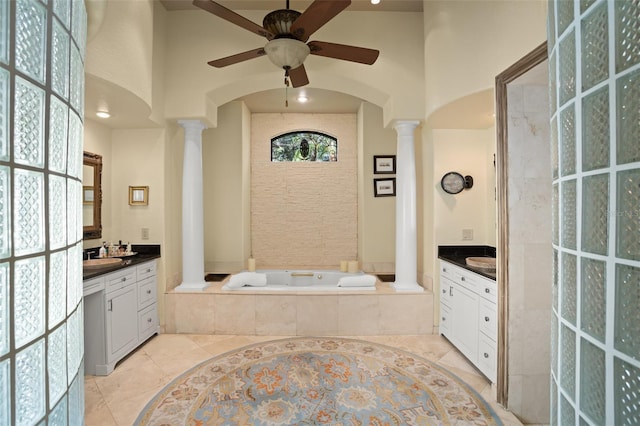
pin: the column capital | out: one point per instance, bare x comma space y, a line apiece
404, 126
192, 124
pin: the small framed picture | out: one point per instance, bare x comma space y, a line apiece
87, 195
138, 195
384, 164
384, 187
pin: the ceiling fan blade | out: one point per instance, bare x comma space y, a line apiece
344, 52
298, 76
316, 15
229, 15
239, 57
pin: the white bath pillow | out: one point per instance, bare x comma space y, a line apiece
357, 281
252, 279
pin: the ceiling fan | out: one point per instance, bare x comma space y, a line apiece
287, 32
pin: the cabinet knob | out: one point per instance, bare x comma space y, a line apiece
149, 270
149, 292
149, 321
462, 279
444, 318
444, 290
486, 290
486, 355
123, 279
444, 269
486, 319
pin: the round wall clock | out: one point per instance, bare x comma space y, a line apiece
454, 182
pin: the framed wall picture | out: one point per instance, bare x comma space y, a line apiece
138, 195
384, 187
384, 164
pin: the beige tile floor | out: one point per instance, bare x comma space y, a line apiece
117, 399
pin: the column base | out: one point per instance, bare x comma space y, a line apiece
407, 287
193, 286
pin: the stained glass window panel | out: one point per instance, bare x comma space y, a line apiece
28, 143
28, 210
30, 384
28, 307
304, 146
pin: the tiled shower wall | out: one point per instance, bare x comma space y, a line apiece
304, 214
42, 45
530, 266
595, 105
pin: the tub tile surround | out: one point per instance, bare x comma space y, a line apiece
379, 312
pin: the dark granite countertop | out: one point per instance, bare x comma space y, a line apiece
458, 254
144, 254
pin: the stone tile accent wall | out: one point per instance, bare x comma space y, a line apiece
303, 214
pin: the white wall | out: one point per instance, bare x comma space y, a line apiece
97, 140
468, 42
466, 152
225, 190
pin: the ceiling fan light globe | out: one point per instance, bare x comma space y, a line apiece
286, 52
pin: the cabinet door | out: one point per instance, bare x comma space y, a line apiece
122, 322
464, 311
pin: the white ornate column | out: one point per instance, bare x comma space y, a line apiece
192, 209
406, 228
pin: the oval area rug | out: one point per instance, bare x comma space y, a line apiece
317, 381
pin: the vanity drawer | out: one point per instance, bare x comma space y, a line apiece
120, 279
487, 361
92, 286
146, 270
147, 322
445, 321
487, 320
146, 292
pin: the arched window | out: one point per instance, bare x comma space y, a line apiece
304, 146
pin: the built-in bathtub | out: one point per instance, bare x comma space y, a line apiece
301, 280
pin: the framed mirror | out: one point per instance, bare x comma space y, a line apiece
91, 196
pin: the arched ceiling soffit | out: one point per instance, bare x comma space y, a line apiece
274, 80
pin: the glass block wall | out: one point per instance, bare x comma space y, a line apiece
595, 104
42, 45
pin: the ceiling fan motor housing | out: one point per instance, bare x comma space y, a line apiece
279, 22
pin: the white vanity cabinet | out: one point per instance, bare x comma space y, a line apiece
120, 314
468, 315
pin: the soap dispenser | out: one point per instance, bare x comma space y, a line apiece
103, 251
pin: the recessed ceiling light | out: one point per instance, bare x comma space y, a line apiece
103, 114
375, 1
302, 98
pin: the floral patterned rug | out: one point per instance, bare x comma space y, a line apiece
317, 381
